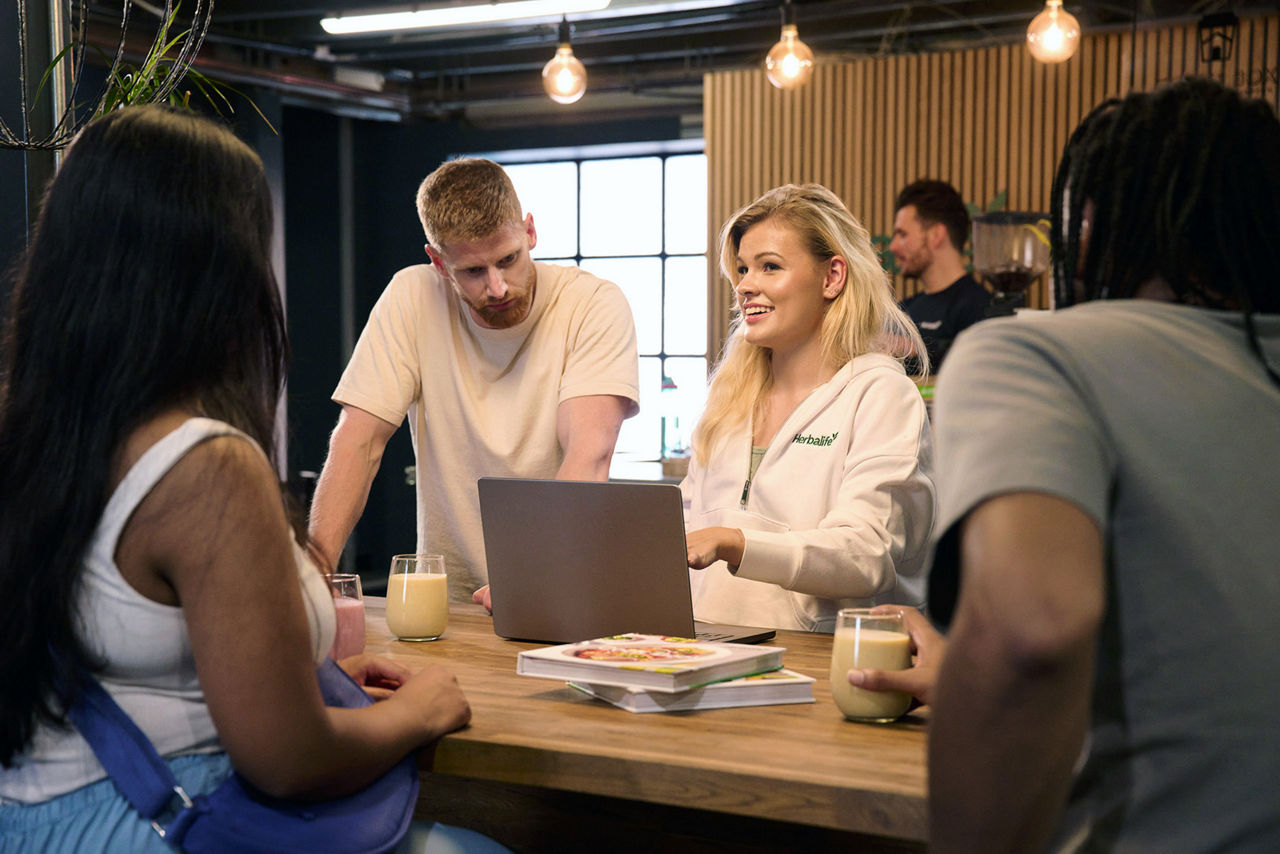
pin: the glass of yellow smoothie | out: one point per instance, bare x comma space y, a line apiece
417, 597
866, 639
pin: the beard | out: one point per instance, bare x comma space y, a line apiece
913, 265
507, 317
521, 303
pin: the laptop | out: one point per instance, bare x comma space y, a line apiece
576, 560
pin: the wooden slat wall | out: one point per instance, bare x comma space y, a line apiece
985, 120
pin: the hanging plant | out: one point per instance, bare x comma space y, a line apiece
159, 76
166, 65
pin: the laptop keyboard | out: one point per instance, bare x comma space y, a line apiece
708, 637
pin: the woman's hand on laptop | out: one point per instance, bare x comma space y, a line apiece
708, 545
482, 597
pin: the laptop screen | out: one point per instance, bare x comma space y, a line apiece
575, 560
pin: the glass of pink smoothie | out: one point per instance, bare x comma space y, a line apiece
348, 602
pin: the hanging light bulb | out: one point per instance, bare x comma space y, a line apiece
564, 77
789, 64
1054, 34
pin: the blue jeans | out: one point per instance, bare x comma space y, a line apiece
96, 818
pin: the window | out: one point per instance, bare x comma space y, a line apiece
639, 221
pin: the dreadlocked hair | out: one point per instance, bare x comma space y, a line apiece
1183, 185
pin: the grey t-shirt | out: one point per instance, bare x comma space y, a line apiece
1159, 423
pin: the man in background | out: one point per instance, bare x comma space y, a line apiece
503, 365
930, 228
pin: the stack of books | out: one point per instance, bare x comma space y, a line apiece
656, 673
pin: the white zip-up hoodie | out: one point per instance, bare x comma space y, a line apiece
839, 512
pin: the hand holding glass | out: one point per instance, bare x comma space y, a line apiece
348, 603
867, 640
417, 597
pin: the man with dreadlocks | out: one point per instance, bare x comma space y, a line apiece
1109, 513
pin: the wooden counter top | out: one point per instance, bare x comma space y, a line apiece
800, 765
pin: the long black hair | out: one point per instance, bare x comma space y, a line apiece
1184, 185
147, 285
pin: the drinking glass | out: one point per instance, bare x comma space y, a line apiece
348, 602
864, 639
417, 597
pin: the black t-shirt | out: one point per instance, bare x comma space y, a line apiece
942, 316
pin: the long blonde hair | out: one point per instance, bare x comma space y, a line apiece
863, 318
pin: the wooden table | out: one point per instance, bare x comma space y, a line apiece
543, 767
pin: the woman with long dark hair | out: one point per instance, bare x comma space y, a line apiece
143, 534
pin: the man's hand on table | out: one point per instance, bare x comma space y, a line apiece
482, 597
928, 647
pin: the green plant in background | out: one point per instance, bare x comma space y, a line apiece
880, 242
998, 203
158, 77
140, 85
880, 245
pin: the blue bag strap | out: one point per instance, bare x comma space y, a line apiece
125, 752
149, 786
338, 688
128, 756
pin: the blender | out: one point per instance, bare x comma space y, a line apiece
1010, 251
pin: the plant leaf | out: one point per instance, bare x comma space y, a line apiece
49, 69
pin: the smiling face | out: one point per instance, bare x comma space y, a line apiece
493, 275
782, 289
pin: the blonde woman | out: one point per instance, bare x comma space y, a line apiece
811, 485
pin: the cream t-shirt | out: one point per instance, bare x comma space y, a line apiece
482, 402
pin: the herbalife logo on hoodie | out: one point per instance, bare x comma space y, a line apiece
822, 441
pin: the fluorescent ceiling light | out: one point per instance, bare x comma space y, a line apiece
452, 16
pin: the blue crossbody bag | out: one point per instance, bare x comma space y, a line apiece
235, 817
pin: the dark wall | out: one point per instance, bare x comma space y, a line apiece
388, 161
13, 216
13, 192
312, 261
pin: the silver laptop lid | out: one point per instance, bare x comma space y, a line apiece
574, 560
